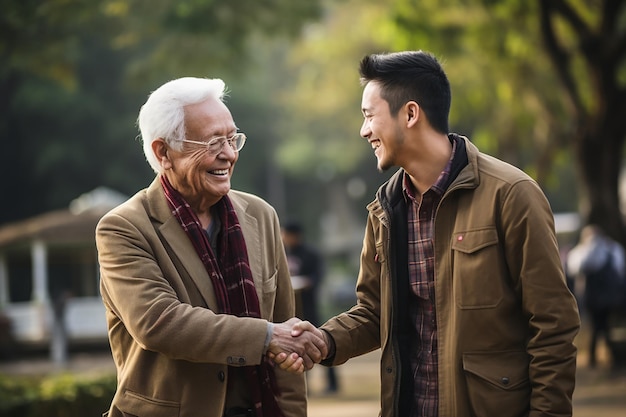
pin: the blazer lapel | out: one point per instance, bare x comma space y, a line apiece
250, 229
178, 244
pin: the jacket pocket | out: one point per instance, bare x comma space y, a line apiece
497, 383
133, 404
269, 285
477, 268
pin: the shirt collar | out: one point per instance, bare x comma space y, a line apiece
442, 183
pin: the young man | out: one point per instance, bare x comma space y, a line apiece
460, 281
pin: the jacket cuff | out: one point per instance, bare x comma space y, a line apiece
328, 360
268, 336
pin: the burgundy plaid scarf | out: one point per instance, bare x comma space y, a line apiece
232, 281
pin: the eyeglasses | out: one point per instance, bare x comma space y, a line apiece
215, 145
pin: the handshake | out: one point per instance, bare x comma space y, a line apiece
297, 345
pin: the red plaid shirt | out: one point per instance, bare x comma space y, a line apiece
421, 222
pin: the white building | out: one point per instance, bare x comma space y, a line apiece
50, 261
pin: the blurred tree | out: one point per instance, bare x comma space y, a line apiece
73, 74
324, 98
586, 42
62, 105
506, 92
577, 44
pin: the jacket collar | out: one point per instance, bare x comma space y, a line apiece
157, 206
390, 193
469, 176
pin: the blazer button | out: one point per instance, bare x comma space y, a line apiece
505, 380
389, 369
221, 376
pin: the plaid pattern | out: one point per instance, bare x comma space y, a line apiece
421, 222
233, 282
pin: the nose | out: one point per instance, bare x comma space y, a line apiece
227, 152
365, 131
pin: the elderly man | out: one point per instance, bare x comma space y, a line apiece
193, 274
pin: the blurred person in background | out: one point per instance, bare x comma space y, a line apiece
306, 267
600, 262
460, 284
193, 274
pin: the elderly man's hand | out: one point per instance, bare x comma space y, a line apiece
290, 362
287, 350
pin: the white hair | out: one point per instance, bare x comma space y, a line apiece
163, 114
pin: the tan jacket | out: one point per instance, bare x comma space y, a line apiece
171, 349
506, 320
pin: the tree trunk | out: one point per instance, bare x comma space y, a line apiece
600, 122
599, 161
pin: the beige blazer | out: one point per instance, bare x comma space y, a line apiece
171, 349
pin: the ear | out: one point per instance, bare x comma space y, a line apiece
160, 149
412, 110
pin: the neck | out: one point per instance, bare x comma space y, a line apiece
205, 219
428, 160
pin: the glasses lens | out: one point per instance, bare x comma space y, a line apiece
237, 141
216, 145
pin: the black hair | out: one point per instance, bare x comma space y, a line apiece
411, 76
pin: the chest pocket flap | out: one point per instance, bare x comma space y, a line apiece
477, 268
473, 240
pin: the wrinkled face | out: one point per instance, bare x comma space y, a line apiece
203, 179
380, 128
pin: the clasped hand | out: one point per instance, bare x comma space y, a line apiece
297, 345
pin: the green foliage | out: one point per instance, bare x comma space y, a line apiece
57, 396
43, 38
506, 94
492, 53
74, 73
323, 101
16, 396
196, 37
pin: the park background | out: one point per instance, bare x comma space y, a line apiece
540, 84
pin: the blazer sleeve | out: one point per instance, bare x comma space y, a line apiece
151, 301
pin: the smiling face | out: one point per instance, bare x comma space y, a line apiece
203, 179
380, 128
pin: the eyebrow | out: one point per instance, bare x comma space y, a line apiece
216, 135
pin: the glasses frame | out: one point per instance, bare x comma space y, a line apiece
239, 136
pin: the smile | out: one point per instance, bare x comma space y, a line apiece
219, 172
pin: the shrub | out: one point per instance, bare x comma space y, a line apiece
63, 395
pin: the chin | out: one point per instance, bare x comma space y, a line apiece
383, 166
